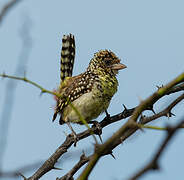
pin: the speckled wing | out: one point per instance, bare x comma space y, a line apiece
73, 88
67, 56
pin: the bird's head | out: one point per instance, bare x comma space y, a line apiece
106, 60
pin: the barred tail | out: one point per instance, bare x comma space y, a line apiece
67, 56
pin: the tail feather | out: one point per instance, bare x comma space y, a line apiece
67, 56
66, 68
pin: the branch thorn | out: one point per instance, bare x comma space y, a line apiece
111, 153
141, 119
22, 176
170, 114
125, 108
98, 130
158, 87
107, 114
57, 168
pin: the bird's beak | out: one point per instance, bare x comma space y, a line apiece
118, 66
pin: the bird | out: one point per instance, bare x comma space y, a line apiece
89, 92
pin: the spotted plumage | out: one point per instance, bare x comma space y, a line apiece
90, 92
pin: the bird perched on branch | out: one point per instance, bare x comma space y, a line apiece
89, 92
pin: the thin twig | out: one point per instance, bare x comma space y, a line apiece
153, 127
43, 90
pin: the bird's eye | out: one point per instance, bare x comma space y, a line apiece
108, 62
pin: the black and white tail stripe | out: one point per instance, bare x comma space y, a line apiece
67, 56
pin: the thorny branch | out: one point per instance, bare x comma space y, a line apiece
128, 130
153, 164
163, 112
166, 112
177, 88
128, 127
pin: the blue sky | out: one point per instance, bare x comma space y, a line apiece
146, 35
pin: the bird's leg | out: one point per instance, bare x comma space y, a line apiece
99, 129
73, 133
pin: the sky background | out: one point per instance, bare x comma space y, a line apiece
147, 35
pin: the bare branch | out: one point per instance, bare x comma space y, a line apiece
7, 8
43, 90
165, 112
83, 160
116, 139
177, 88
153, 164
